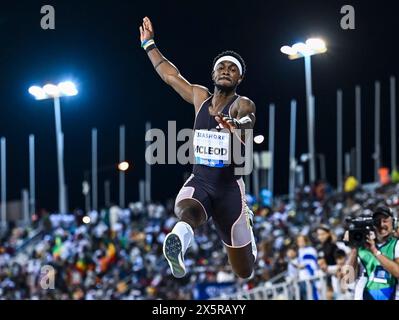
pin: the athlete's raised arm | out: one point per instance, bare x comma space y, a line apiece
194, 94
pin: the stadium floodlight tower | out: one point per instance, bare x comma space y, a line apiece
305, 50
55, 92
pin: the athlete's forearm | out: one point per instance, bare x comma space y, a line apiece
171, 76
246, 114
162, 66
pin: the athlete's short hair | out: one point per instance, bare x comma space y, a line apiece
233, 54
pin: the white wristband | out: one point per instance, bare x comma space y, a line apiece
245, 119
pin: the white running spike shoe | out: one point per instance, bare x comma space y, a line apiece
173, 252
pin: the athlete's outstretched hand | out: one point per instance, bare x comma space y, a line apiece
225, 121
146, 30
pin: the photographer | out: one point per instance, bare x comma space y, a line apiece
377, 258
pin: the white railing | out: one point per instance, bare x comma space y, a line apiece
288, 290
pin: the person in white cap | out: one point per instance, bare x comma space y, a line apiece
215, 188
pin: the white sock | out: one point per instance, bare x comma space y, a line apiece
185, 234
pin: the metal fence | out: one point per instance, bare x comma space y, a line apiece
313, 288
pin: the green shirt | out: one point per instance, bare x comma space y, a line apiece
381, 285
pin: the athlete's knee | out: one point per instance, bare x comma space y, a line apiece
243, 268
244, 272
189, 215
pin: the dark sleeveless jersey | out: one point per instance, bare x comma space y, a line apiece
218, 172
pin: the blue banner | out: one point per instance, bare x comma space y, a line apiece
203, 291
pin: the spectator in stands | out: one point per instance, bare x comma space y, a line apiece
326, 272
307, 259
292, 265
350, 184
326, 247
342, 290
118, 255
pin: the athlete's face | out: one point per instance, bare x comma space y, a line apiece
226, 76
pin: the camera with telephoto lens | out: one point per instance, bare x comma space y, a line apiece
359, 228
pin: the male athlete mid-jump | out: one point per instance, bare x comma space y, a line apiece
214, 189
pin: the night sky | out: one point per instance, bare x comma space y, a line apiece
96, 44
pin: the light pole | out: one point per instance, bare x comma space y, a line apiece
377, 117
122, 138
3, 183
32, 193
358, 159
51, 91
339, 141
323, 172
305, 157
305, 50
392, 82
270, 183
94, 200
292, 162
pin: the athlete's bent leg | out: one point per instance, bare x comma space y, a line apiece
243, 259
191, 215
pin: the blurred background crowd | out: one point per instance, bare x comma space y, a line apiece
117, 253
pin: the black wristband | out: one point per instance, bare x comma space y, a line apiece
153, 46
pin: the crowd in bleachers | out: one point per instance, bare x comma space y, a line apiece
117, 253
